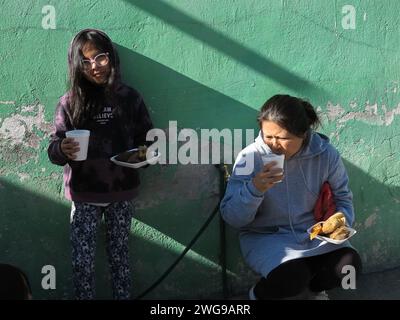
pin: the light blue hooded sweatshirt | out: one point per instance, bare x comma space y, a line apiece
273, 225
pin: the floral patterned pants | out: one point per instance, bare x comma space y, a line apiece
85, 219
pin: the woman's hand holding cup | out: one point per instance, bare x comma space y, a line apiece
267, 178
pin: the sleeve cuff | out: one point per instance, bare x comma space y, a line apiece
253, 190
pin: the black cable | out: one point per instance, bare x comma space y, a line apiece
188, 247
155, 284
222, 240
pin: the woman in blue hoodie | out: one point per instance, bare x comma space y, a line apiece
118, 120
273, 208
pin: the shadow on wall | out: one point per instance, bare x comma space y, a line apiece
226, 46
377, 207
175, 97
35, 232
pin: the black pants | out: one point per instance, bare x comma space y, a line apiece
317, 273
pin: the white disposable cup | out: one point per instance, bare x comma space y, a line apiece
278, 158
82, 137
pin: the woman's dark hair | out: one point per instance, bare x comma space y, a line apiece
293, 114
86, 98
14, 284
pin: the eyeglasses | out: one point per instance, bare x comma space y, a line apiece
100, 60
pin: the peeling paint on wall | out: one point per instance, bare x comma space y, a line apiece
20, 133
19, 129
7, 102
372, 114
13, 130
23, 176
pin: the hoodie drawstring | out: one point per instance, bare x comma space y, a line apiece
289, 211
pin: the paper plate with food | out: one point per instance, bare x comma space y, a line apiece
136, 158
333, 230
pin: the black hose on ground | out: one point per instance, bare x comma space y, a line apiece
224, 174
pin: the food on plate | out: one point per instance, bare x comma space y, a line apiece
335, 221
340, 233
133, 156
334, 228
142, 153
316, 230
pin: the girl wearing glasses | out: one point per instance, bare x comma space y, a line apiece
118, 120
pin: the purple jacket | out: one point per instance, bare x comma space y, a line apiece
121, 125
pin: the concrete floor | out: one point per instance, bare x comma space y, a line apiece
372, 286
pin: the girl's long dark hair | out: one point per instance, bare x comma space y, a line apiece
85, 98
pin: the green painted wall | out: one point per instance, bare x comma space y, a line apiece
205, 64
